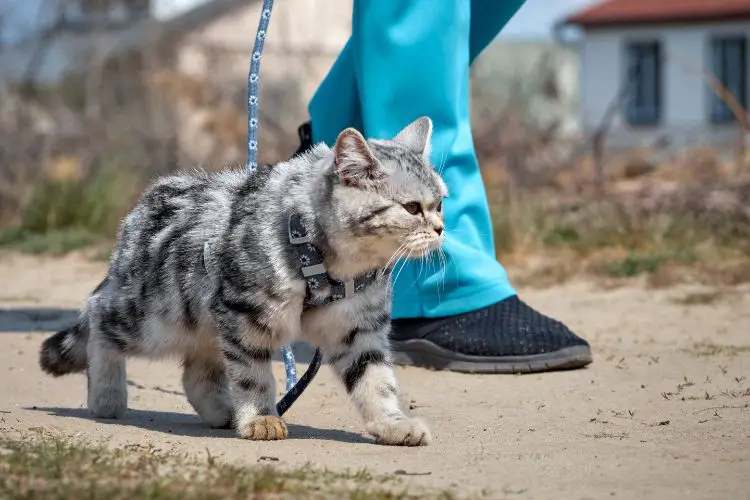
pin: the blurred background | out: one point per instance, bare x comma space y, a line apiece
612, 134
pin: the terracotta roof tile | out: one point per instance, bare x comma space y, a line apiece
612, 12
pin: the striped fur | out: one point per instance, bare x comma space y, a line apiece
158, 299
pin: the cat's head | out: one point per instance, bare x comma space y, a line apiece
387, 195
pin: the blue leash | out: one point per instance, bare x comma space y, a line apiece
293, 388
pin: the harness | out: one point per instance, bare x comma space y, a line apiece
313, 270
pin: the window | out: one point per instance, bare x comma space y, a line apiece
643, 95
729, 64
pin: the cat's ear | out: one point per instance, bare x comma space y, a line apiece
416, 136
354, 163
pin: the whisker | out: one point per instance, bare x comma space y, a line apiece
397, 258
449, 256
421, 265
393, 257
402, 268
398, 254
430, 262
442, 163
400, 259
444, 266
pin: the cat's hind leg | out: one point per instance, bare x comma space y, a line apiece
207, 389
362, 360
110, 327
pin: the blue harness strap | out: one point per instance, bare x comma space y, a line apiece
293, 388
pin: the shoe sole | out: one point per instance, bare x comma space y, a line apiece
425, 354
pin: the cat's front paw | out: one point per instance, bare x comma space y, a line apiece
264, 428
404, 432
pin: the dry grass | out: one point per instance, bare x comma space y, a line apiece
682, 220
677, 236
44, 467
66, 212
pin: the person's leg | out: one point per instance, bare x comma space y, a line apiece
387, 38
340, 85
336, 104
488, 18
407, 61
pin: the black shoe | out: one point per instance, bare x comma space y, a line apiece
506, 337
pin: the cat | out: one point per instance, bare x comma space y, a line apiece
203, 269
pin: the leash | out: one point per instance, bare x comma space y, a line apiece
294, 389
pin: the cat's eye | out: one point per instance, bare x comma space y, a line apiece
439, 207
412, 207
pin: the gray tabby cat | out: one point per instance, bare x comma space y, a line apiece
363, 203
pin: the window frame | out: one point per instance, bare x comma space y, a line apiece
638, 117
717, 111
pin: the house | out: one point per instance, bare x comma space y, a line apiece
658, 63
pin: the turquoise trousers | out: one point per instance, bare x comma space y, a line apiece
405, 59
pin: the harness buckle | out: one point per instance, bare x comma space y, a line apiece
297, 233
349, 289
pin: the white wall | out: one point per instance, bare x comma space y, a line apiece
304, 39
685, 95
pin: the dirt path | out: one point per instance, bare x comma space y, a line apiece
663, 412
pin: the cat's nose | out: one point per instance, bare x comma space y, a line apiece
439, 230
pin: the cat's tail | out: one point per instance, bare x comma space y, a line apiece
65, 351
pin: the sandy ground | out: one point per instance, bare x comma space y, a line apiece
663, 412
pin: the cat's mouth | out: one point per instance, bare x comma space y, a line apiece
422, 243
